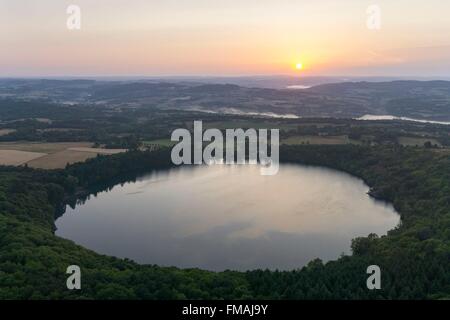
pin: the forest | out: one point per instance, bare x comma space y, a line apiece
125, 127
414, 257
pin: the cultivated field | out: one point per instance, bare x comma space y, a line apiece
97, 150
17, 158
318, 140
49, 155
44, 147
4, 132
60, 159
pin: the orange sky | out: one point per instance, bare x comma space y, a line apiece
233, 37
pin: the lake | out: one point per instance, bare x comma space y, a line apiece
229, 217
389, 117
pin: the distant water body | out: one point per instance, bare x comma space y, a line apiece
260, 114
234, 111
229, 217
389, 117
298, 87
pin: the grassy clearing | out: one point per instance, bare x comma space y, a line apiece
412, 141
249, 124
329, 140
160, 142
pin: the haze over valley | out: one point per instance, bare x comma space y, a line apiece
425, 100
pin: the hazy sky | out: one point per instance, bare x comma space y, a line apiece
218, 37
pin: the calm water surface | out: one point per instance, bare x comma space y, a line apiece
389, 117
229, 217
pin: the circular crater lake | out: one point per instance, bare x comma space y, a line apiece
229, 217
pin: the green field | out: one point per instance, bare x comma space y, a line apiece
159, 142
419, 142
329, 140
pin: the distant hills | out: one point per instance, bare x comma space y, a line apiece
427, 100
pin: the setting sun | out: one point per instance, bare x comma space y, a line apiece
299, 66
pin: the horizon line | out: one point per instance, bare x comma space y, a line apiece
209, 76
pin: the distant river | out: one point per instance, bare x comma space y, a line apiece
229, 217
389, 117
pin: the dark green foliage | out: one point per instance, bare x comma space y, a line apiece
414, 258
